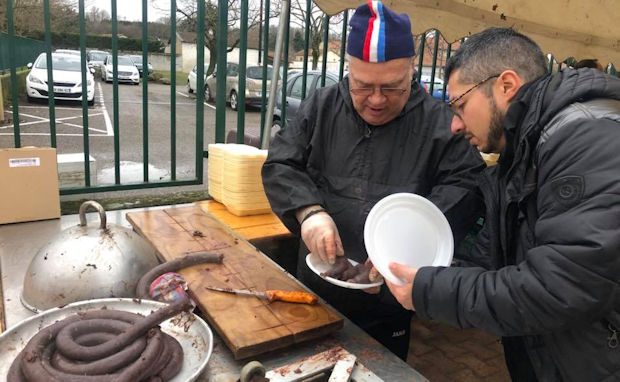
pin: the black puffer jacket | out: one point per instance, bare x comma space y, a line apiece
332, 157
551, 241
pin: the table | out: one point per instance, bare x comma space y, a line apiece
20, 242
263, 226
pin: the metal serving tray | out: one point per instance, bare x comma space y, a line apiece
191, 331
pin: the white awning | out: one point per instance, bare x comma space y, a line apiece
565, 28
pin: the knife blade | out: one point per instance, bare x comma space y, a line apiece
299, 297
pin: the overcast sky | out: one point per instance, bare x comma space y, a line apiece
131, 10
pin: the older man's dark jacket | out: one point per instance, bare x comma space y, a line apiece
331, 157
551, 241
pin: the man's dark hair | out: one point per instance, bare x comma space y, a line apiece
589, 63
494, 50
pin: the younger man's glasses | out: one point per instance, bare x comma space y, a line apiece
454, 100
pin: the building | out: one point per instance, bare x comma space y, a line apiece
187, 52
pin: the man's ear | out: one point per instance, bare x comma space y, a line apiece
507, 85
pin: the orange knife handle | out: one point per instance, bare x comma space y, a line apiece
295, 296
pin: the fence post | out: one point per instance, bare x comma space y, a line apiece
1, 105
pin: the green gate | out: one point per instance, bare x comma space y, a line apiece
16, 51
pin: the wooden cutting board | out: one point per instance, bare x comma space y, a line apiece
249, 326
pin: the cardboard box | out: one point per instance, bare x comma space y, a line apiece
28, 184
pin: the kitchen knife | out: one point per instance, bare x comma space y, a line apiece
273, 295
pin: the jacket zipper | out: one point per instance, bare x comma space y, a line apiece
612, 340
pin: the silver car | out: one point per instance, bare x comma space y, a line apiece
253, 85
294, 86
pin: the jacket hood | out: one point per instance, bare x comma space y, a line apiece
537, 102
415, 98
570, 86
548, 95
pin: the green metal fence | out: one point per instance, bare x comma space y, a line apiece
19, 51
25, 51
15, 51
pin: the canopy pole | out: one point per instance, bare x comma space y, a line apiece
275, 74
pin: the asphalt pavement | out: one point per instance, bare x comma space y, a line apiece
35, 130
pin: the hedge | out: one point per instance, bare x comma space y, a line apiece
72, 41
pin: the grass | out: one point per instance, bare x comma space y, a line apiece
181, 77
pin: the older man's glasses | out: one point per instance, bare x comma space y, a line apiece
387, 92
456, 99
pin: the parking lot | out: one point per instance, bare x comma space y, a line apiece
35, 130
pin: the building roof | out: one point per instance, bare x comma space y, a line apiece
233, 35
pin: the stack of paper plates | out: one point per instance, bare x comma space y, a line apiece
216, 151
235, 178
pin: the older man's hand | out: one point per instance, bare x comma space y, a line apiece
320, 234
402, 293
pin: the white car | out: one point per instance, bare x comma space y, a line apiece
95, 59
191, 78
127, 71
72, 52
67, 77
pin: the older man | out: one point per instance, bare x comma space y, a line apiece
551, 239
375, 133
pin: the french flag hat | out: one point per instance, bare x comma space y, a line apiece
378, 34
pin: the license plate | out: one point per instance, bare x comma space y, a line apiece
62, 90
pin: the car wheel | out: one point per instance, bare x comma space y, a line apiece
233, 100
91, 102
189, 88
31, 99
208, 94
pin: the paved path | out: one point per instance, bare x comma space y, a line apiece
445, 354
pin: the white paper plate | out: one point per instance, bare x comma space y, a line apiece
193, 334
408, 229
318, 266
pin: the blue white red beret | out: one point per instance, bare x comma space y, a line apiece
378, 34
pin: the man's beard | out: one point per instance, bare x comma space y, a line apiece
495, 129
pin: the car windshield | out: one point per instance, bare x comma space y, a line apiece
67, 63
98, 56
256, 72
136, 59
438, 85
124, 60
68, 51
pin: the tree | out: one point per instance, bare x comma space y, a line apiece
28, 16
97, 15
298, 41
188, 10
317, 26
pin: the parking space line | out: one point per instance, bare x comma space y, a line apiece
157, 103
47, 107
106, 116
58, 135
206, 104
58, 120
80, 126
40, 119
